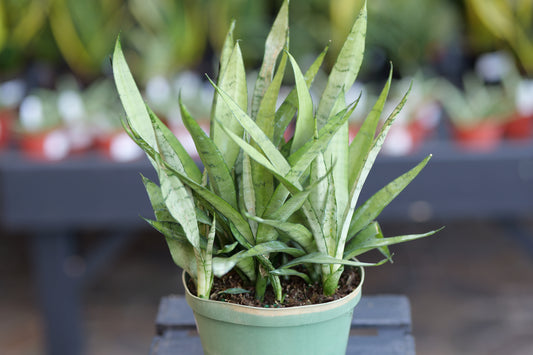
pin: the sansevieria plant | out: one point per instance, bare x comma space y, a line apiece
263, 205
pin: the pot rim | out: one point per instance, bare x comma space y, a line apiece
288, 312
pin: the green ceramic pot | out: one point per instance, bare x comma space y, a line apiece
230, 329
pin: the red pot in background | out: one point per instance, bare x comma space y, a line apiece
519, 127
6, 122
418, 132
50, 145
424, 121
485, 136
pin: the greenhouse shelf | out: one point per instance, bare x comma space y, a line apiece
90, 192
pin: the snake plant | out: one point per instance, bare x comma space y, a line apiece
263, 205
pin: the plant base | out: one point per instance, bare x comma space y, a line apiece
230, 329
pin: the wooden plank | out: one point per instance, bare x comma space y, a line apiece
174, 313
382, 345
383, 311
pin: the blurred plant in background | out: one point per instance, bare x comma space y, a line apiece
510, 21
76, 32
168, 35
477, 111
412, 33
42, 42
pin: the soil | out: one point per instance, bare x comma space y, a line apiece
295, 290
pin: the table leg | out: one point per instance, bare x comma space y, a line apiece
58, 292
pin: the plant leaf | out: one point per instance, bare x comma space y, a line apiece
370, 232
172, 150
221, 206
169, 229
329, 219
259, 137
247, 190
248, 265
222, 265
160, 209
367, 212
213, 201
345, 69
267, 109
227, 48
305, 123
318, 195
372, 243
365, 170
180, 205
233, 82
285, 211
263, 181
288, 108
227, 248
336, 158
291, 272
261, 159
274, 44
156, 199
319, 258
302, 158
365, 136
295, 232
205, 269
219, 174
233, 291
131, 98
181, 250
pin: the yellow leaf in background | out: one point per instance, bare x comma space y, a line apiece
3, 30
67, 38
509, 24
32, 20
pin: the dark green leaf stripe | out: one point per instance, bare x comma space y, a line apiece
172, 150
233, 82
288, 108
365, 136
274, 44
219, 174
346, 68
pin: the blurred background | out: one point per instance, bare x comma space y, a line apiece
81, 274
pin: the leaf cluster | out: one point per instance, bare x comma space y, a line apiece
265, 202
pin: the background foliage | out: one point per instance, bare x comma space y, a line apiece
78, 36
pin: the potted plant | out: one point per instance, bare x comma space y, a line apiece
417, 121
42, 133
267, 219
477, 112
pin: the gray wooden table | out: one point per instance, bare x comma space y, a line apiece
380, 325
